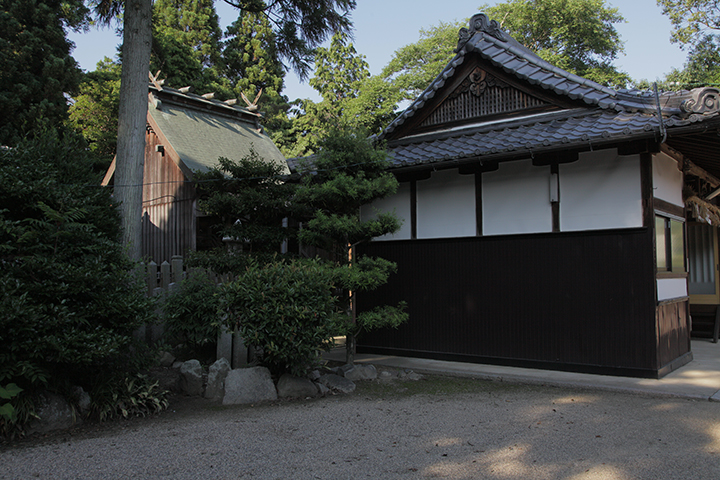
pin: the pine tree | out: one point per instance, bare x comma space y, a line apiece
251, 65
351, 98
187, 45
37, 69
347, 173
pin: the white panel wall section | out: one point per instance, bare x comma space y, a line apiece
446, 205
668, 288
600, 191
516, 199
398, 203
667, 179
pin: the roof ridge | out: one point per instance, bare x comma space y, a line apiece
470, 40
201, 100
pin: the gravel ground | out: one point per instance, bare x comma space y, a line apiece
436, 427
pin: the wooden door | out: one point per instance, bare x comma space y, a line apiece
703, 283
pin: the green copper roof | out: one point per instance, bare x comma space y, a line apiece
201, 135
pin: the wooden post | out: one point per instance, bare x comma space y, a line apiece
165, 275
151, 278
177, 269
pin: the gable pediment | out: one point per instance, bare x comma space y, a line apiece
475, 92
479, 95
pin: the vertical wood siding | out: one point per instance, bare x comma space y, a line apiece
168, 207
673, 328
574, 301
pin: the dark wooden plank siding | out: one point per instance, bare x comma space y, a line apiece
577, 301
168, 206
673, 327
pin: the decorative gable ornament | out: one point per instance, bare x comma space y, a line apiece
480, 23
477, 83
703, 100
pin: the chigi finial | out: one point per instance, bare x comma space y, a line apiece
480, 23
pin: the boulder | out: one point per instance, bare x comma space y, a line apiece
336, 383
342, 370
248, 385
191, 381
322, 389
410, 375
361, 372
296, 387
54, 413
166, 359
217, 373
81, 399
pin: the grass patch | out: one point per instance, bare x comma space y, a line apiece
432, 385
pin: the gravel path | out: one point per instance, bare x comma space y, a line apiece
489, 431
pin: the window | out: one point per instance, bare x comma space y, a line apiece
669, 245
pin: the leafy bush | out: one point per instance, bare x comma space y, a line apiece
69, 299
7, 411
191, 312
286, 310
127, 396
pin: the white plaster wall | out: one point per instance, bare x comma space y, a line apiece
600, 191
398, 203
667, 179
446, 205
516, 199
668, 288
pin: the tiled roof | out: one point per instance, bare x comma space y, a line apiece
603, 114
589, 128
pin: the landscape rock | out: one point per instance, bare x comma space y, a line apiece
322, 389
361, 372
191, 381
248, 385
217, 373
314, 375
385, 375
343, 369
166, 359
82, 399
296, 387
54, 413
336, 383
410, 375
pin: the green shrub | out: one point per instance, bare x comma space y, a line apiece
69, 299
127, 396
285, 310
191, 312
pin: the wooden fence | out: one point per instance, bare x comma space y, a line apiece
163, 278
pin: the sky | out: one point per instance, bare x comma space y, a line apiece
383, 26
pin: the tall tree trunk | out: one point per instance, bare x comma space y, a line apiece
130, 157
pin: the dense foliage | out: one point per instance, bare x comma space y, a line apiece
348, 173
351, 99
285, 310
94, 112
69, 299
37, 69
691, 19
576, 35
191, 312
301, 25
249, 198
